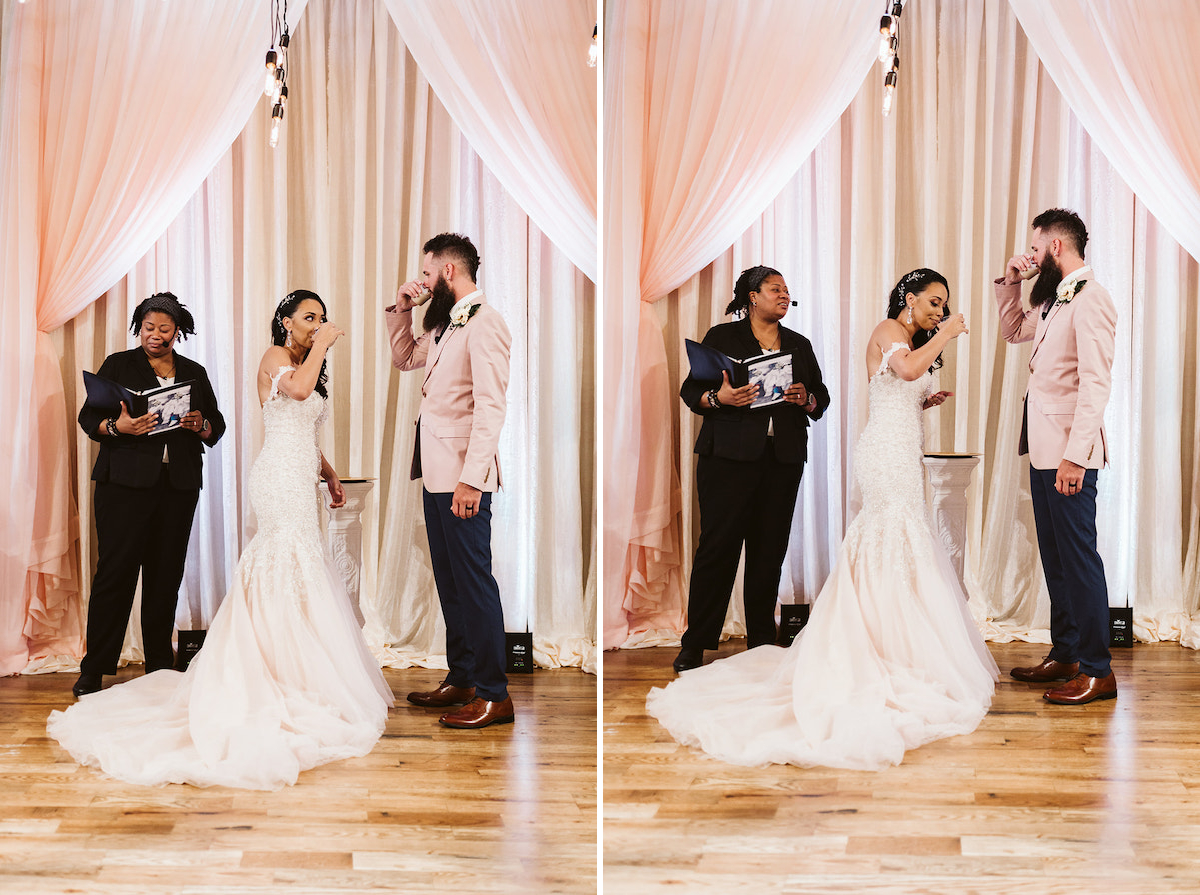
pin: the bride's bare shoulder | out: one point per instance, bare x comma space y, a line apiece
887, 333
273, 358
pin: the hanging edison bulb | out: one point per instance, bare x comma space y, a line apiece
269, 81
276, 120
889, 92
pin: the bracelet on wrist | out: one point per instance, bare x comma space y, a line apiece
110, 424
712, 399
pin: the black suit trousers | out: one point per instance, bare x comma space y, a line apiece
746, 503
138, 530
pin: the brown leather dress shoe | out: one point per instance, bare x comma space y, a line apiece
1083, 689
480, 712
1048, 671
445, 695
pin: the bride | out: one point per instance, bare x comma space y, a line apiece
284, 681
890, 658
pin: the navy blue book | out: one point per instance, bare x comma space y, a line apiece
771, 372
170, 402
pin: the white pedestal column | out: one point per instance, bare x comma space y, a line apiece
949, 476
344, 535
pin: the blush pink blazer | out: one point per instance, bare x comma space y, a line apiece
463, 396
1070, 372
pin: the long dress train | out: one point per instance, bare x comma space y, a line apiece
284, 681
890, 658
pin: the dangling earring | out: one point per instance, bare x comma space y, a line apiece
287, 343
910, 315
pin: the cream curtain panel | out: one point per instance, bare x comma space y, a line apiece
979, 141
369, 164
709, 108
1129, 72
99, 151
510, 74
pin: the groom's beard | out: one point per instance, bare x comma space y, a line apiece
437, 311
1046, 284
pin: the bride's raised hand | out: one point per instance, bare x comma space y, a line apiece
326, 334
954, 326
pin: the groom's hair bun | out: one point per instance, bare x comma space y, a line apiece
456, 246
1065, 223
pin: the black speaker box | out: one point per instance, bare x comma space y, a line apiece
792, 617
1120, 626
519, 648
189, 644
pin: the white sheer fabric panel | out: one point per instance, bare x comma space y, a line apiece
709, 107
98, 152
951, 183
511, 74
1129, 71
369, 165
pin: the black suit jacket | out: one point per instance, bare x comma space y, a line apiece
739, 433
136, 460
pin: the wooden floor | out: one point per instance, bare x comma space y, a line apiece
511, 808
1041, 799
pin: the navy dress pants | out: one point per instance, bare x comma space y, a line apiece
1066, 530
461, 551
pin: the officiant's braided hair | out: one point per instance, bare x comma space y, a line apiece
751, 280
279, 333
168, 304
916, 282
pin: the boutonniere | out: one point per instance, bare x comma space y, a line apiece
462, 315
1068, 291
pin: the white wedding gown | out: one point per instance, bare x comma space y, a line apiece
890, 658
284, 681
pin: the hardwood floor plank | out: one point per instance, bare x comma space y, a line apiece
1039, 799
509, 809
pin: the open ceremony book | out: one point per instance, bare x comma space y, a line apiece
170, 402
772, 373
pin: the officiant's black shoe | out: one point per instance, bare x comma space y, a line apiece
444, 696
688, 658
87, 683
480, 712
1049, 670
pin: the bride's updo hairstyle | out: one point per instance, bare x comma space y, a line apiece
751, 280
916, 282
287, 308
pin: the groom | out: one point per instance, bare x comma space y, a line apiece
464, 350
1072, 323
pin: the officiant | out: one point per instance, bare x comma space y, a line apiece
752, 451
147, 488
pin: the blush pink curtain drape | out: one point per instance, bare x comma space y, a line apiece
111, 115
1130, 71
513, 75
710, 107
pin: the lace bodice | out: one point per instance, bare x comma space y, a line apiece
887, 461
283, 479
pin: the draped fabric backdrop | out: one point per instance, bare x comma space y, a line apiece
980, 139
497, 66
369, 164
709, 108
99, 150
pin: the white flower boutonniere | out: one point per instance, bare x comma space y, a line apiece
462, 315
1067, 291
